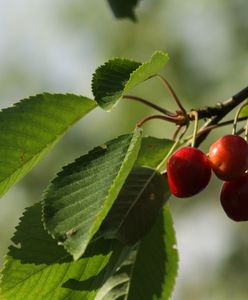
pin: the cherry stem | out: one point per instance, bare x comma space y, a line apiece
222, 124
213, 114
195, 114
211, 127
173, 94
176, 132
237, 116
150, 104
161, 117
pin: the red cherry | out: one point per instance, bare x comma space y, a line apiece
188, 171
234, 198
229, 157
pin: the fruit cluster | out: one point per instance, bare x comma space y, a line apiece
189, 172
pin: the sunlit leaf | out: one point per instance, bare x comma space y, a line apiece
244, 111
80, 197
31, 127
37, 268
150, 273
152, 151
117, 76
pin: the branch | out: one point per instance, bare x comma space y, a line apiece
211, 127
214, 114
173, 94
161, 117
218, 112
150, 104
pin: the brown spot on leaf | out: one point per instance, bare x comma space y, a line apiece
22, 157
71, 232
152, 196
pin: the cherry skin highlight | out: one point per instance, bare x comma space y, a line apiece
188, 171
234, 198
229, 157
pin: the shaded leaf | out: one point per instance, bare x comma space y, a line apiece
37, 268
142, 196
116, 287
117, 76
31, 127
123, 8
155, 269
79, 198
137, 207
150, 271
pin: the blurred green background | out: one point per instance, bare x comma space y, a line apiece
55, 46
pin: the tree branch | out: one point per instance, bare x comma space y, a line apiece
218, 112
150, 104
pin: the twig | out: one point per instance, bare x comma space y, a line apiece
161, 117
176, 132
150, 104
219, 112
211, 127
237, 116
173, 94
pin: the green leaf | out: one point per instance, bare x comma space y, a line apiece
155, 269
133, 213
116, 287
153, 151
157, 256
147, 69
137, 207
244, 111
31, 127
117, 76
123, 8
150, 273
80, 197
37, 268
109, 81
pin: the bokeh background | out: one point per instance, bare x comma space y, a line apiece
55, 46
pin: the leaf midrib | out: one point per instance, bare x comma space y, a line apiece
136, 199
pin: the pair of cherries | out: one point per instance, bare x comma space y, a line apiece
189, 172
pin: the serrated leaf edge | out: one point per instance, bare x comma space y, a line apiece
136, 136
164, 54
126, 88
104, 65
7, 257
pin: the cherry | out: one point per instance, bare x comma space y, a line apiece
234, 198
229, 157
188, 171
